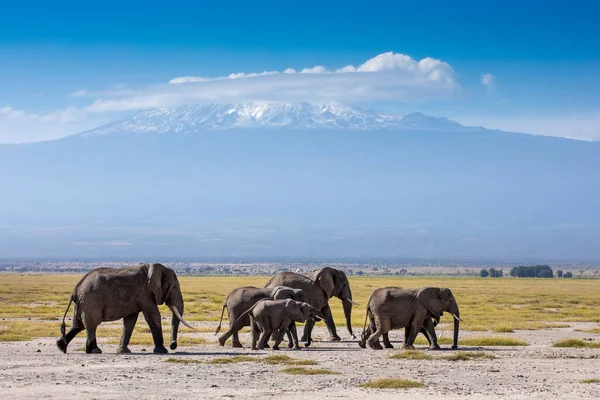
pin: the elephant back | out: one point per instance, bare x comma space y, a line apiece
295, 281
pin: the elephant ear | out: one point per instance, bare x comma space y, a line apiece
431, 299
293, 310
155, 275
325, 280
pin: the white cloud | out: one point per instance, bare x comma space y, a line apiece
188, 79
319, 69
79, 93
388, 76
489, 81
66, 115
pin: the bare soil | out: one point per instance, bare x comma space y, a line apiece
37, 369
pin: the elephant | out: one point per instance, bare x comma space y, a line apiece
109, 294
278, 317
319, 287
242, 299
413, 309
427, 329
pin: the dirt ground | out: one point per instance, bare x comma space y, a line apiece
37, 369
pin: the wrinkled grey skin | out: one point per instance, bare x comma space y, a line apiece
413, 309
109, 294
319, 287
276, 317
242, 299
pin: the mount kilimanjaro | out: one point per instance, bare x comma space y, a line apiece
253, 115
260, 180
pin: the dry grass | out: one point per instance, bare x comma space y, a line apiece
411, 355
308, 371
492, 341
594, 380
233, 360
392, 383
183, 361
576, 343
485, 306
468, 356
593, 330
287, 360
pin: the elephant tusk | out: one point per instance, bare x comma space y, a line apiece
441, 334
183, 321
353, 302
456, 317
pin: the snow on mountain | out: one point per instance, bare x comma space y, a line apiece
215, 117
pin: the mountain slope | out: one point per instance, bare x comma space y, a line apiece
302, 192
296, 116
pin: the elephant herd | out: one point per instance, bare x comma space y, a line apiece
107, 294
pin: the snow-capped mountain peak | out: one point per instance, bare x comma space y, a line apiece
215, 117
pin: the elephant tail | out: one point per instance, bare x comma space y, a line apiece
221, 320
368, 314
63, 326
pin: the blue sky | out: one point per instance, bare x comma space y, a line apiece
529, 66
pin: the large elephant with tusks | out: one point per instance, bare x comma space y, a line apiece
319, 287
109, 294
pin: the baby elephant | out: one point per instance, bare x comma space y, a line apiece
277, 316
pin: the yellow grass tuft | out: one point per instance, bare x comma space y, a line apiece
492, 341
308, 371
233, 360
411, 355
576, 343
595, 380
392, 383
183, 361
287, 360
468, 355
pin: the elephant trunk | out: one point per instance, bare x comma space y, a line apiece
176, 308
456, 327
347, 304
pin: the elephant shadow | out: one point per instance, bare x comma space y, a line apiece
220, 354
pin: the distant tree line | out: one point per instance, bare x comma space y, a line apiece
492, 273
567, 274
536, 271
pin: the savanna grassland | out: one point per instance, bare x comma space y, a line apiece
31, 305
521, 338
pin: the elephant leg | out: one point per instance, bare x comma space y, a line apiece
91, 345
279, 337
291, 341
307, 331
152, 317
415, 328
386, 341
236, 340
255, 334
429, 331
128, 325
293, 336
264, 338
77, 327
373, 340
326, 311
364, 336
